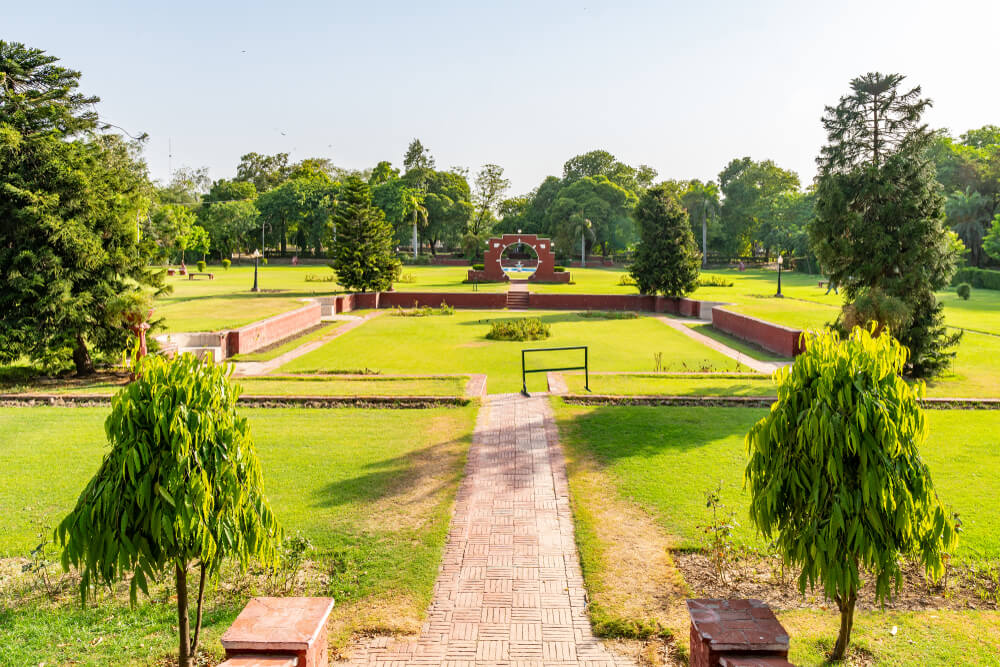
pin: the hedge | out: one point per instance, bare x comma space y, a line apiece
980, 278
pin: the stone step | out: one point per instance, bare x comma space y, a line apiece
261, 660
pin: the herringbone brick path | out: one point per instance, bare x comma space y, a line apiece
510, 590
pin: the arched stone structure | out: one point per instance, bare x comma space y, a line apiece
544, 272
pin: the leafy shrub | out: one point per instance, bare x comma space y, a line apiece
627, 279
478, 267
835, 474
714, 281
525, 328
445, 309
425, 311
263, 261
559, 269
202, 266
315, 278
979, 278
964, 290
226, 263
609, 314
406, 278
180, 490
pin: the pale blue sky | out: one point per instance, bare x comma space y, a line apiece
684, 87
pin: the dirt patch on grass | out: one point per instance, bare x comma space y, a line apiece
432, 476
753, 576
373, 616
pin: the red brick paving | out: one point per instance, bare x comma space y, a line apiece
510, 590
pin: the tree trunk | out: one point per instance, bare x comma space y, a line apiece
81, 357
183, 624
846, 624
284, 239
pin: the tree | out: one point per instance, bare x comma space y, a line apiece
187, 186
446, 198
702, 203
606, 204
264, 171
968, 215
417, 157
183, 501
835, 474
582, 227
71, 198
231, 225
363, 256
490, 188
880, 220
170, 227
749, 190
383, 173
667, 258
991, 243
198, 240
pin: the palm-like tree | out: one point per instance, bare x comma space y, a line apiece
582, 226
416, 208
968, 216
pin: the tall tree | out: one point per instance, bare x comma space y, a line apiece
490, 188
363, 256
417, 157
264, 171
71, 198
969, 216
667, 258
749, 189
880, 228
702, 203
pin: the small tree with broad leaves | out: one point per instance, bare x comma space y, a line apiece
835, 474
181, 488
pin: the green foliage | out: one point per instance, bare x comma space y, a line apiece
180, 487
525, 328
718, 533
201, 266
750, 192
226, 264
964, 291
70, 198
991, 242
835, 475
478, 267
667, 260
425, 311
880, 219
609, 314
978, 278
559, 269
363, 256
714, 281
263, 171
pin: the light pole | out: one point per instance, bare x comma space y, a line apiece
256, 259
781, 260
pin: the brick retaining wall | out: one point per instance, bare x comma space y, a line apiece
265, 332
484, 300
773, 337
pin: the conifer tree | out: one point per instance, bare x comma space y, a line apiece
363, 252
667, 258
880, 227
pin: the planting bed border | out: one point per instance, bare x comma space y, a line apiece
755, 401
258, 401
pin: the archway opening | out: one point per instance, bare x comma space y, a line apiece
519, 261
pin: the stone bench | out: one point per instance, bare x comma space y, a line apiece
211, 276
736, 633
279, 632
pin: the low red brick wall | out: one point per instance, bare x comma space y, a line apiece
638, 302
486, 300
774, 337
273, 329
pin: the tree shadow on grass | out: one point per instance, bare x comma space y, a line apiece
614, 432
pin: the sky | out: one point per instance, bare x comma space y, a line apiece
683, 87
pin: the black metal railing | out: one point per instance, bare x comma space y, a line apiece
525, 370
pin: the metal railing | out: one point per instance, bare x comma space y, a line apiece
525, 370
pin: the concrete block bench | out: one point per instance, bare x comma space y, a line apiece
736, 633
211, 276
271, 632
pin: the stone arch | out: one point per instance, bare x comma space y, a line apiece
545, 271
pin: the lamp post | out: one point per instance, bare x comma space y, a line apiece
256, 259
781, 260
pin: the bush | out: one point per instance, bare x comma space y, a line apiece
202, 266
610, 314
835, 475
525, 328
627, 279
263, 261
478, 267
964, 291
979, 278
226, 263
425, 311
559, 269
315, 278
714, 281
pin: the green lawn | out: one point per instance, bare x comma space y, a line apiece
665, 458
457, 344
371, 489
652, 384
441, 279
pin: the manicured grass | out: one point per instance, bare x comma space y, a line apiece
665, 458
371, 489
938, 637
752, 351
975, 371
442, 279
589, 281
289, 344
980, 313
673, 385
458, 344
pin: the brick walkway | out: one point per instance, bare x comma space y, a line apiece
510, 590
